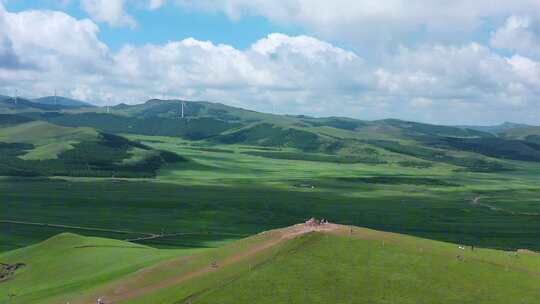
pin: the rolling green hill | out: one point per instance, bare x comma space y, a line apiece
223, 167
335, 137
38, 148
12, 119
497, 129
76, 263
298, 264
529, 133
45, 104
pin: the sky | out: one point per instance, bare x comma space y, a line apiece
436, 61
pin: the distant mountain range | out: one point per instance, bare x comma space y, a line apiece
66, 102
334, 139
62, 101
49, 103
496, 129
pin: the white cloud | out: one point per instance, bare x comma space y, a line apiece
113, 12
305, 62
48, 39
449, 69
8, 58
520, 34
466, 83
527, 70
278, 65
421, 102
51, 49
470, 77
359, 21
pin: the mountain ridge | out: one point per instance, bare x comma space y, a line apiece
62, 101
343, 139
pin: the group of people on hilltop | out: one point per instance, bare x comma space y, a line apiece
315, 222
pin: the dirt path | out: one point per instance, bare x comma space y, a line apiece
137, 285
74, 227
145, 236
159, 236
126, 290
476, 202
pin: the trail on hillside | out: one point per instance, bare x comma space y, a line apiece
74, 227
134, 286
476, 202
124, 290
144, 236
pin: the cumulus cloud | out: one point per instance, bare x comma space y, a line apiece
8, 58
48, 49
520, 34
467, 83
277, 68
49, 39
355, 20
469, 78
421, 102
112, 12
527, 71
449, 70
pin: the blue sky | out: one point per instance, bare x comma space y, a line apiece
169, 23
458, 62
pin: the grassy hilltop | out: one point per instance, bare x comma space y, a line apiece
338, 264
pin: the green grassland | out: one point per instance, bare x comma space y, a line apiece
224, 193
172, 187
223, 173
39, 148
68, 263
345, 265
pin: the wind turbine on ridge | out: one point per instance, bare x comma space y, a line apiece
182, 112
15, 97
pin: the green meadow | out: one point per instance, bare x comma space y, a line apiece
346, 265
224, 193
139, 206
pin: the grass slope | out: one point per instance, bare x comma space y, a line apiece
334, 269
528, 133
225, 190
39, 148
218, 123
298, 264
69, 264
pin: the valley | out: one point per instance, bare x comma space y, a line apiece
229, 172
140, 184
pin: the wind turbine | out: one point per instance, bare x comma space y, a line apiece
182, 108
16, 96
55, 99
